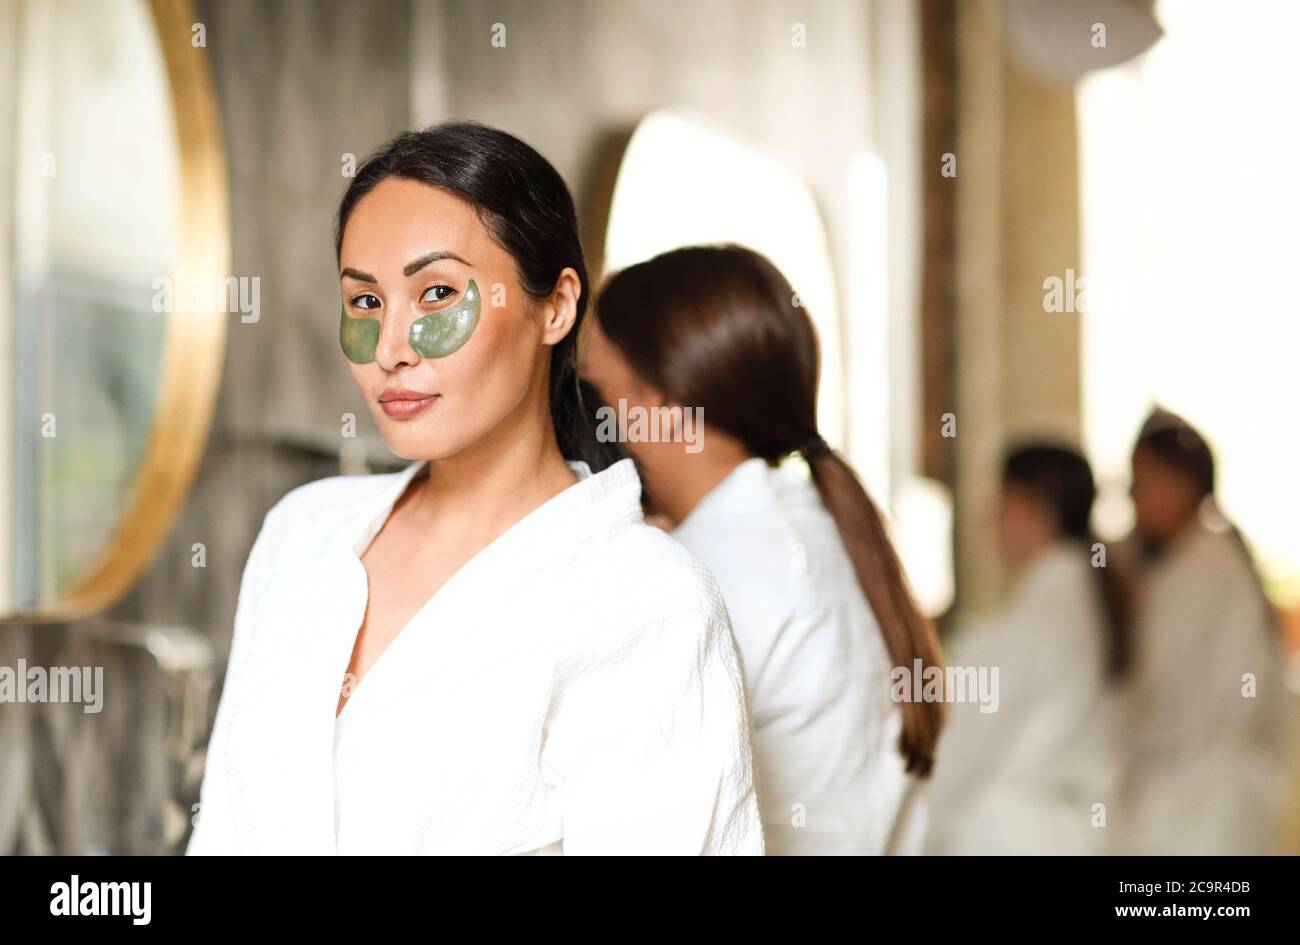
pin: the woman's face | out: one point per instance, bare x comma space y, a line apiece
1164, 499
1024, 525
603, 366
410, 250
625, 393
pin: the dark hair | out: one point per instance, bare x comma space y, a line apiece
719, 328
1061, 479
526, 208
1177, 444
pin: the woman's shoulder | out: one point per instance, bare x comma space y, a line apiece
641, 567
642, 594
758, 539
1056, 609
1066, 564
633, 587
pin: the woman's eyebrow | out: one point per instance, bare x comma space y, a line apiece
415, 265
410, 269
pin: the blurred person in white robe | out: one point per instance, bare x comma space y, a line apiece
816, 595
1029, 777
1206, 720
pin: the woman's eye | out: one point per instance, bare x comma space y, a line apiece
365, 302
437, 293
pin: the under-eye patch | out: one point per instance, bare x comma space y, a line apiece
358, 337
432, 336
445, 331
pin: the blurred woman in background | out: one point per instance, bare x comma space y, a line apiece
816, 595
1206, 715
1024, 779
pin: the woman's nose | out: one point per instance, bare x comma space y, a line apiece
394, 348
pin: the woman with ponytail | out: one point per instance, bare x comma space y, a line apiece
1025, 779
488, 651
817, 598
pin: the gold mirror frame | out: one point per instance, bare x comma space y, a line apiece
194, 342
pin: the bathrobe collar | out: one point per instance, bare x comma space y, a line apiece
745, 490
596, 504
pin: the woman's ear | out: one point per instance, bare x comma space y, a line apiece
561, 310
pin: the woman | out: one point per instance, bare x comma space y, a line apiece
1208, 745
1035, 776
817, 599
488, 652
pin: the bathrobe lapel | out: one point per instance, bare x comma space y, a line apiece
284, 733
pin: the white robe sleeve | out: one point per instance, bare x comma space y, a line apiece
214, 829
649, 744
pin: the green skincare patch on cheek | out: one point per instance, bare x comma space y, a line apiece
433, 336
358, 337
445, 332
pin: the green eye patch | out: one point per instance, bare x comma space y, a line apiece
358, 337
433, 336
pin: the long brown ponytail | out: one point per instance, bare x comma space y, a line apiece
720, 328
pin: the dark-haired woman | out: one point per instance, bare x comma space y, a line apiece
817, 598
490, 651
1208, 748
1034, 771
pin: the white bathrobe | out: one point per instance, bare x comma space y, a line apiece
574, 688
1024, 779
1208, 756
825, 731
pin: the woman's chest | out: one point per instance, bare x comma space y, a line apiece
449, 723
445, 762
405, 568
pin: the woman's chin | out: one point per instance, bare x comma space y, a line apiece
417, 441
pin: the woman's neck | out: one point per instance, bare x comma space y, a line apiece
499, 478
688, 478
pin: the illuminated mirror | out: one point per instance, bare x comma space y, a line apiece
683, 181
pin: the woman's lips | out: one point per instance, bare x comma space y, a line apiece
401, 404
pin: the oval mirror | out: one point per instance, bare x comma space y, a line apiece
114, 221
684, 180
